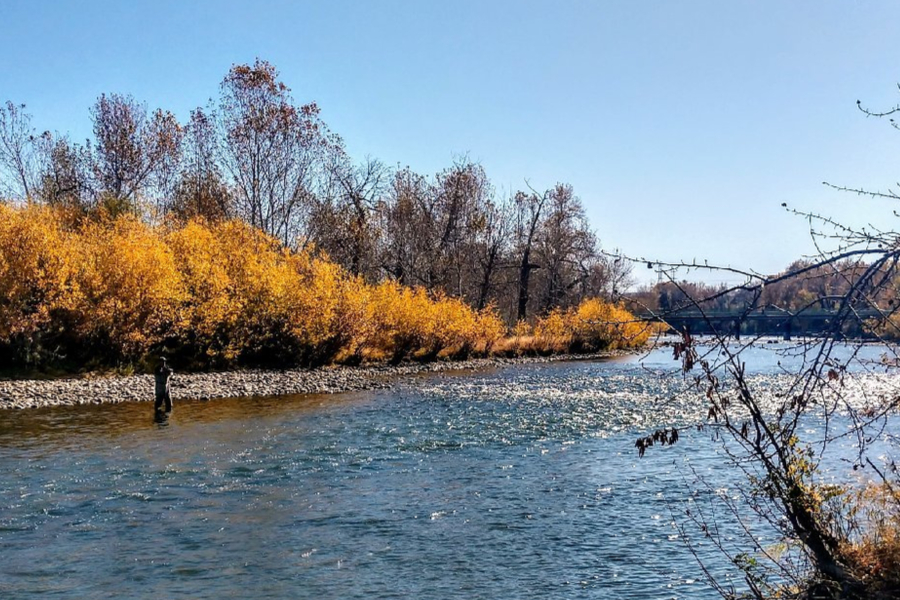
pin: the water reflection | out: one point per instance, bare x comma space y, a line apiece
65, 425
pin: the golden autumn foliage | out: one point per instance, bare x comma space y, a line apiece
36, 275
129, 291
408, 322
591, 326
110, 291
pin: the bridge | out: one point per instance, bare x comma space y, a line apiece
768, 320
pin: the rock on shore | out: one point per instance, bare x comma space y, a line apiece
15, 393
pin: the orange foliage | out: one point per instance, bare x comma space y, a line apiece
115, 290
130, 290
408, 322
592, 326
873, 554
36, 276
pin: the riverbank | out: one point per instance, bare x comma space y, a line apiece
32, 393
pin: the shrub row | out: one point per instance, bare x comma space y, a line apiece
110, 292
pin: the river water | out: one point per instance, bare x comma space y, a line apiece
521, 482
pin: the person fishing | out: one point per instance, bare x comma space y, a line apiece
162, 375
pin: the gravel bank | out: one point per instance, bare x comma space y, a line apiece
31, 393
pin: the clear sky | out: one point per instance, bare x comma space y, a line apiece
682, 125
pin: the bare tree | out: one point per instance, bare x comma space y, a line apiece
132, 151
433, 230
613, 275
491, 244
272, 149
65, 174
166, 144
566, 249
201, 190
342, 223
830, 392
529, 208
17, 151
459, 213
401, 223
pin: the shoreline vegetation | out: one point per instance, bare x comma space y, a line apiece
247, 238
103, 293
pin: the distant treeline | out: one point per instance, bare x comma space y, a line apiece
803, 287
257, 156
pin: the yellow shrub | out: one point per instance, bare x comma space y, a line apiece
212, 306
553, 332
249, 299
130, 288
599, 323
870, 540
314, 305
355, 322
36, 273
407, 322
591, 326
490, 330
401, 320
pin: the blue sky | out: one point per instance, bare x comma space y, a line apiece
683, 126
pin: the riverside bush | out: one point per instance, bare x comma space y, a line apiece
592, 326
36, 284
410, 323
115, 292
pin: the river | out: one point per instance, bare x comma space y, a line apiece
521, 482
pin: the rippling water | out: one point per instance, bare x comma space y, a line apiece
518, 483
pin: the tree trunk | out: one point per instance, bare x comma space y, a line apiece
524, 277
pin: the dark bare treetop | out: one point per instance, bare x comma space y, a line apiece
343, 217
529, 211
66, 174
272, 149
201, 190
134, 154
18, 152
567, 249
